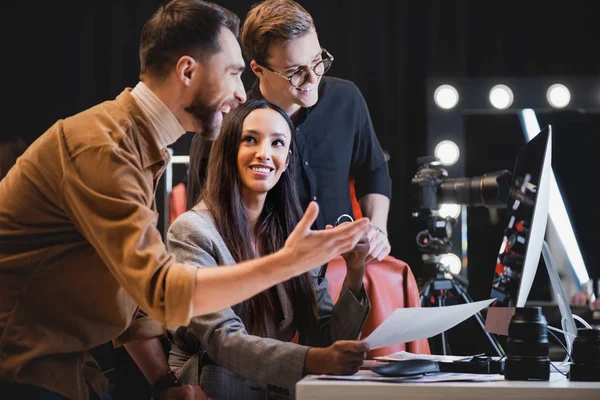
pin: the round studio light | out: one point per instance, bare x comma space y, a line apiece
501, 97
558, 95
447, 151
449, 210
446, 97
452, 262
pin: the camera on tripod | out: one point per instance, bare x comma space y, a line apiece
433, 188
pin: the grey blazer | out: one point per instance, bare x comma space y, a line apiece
217, 353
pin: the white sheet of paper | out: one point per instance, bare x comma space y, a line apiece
405, 355
408, 324
430, 378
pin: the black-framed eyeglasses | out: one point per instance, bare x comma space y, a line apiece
300, 76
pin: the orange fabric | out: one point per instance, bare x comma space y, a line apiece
355, 206
176, 202
390, 284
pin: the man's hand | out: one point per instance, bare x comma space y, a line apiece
344, 357
187, 392
379, 246
308, 248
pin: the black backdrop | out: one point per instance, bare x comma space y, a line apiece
61, 57
65, 56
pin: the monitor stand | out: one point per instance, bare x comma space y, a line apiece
501, 320
567, 321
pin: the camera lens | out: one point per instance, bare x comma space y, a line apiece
527, 346
586, 356
424, 239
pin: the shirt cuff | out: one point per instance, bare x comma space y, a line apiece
364, 298
352, 312
377, 181
179, 292
296, 361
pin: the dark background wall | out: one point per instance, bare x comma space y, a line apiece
65, 56
62, 57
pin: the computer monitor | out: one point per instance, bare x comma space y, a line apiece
521, 247
523, 242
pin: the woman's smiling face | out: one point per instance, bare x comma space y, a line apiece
263, 151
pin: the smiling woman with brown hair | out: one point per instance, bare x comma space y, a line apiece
248, 209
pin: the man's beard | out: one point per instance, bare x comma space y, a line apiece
206, 114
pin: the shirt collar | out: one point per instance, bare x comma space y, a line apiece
159, 115
151, 141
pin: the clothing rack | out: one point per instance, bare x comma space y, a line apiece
168, 189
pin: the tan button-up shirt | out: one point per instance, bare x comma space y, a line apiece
79, 248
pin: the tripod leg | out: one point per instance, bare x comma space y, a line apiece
467, 299
441, 303
427, 291
424, 295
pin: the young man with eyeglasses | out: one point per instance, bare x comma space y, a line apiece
335, 137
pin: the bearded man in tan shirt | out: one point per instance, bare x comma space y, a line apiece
81, 259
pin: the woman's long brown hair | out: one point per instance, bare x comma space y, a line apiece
280, 215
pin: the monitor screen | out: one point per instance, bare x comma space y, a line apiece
521, 247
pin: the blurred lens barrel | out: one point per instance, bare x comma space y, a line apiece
586, 356
490, 190
527, 346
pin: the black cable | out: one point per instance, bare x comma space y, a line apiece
558, 370
561, 343
566, 351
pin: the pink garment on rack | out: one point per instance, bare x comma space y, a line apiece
176, 202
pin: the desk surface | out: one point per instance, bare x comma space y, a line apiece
558, 387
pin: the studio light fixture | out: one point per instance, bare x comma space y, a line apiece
451, 98
447, 151
452, 262
449, 210
558, 95
501, 97
446, 97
